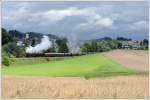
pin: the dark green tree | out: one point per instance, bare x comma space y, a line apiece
86, 48
62, 45
33, 42
145, 43
12, 49
119, 45
6, 37
94, 46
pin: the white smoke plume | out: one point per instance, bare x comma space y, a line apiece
73, 43
39, 48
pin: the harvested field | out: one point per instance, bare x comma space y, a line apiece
135, 59
135, 86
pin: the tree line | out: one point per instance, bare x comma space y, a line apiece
11, 49
100, 46
107, 43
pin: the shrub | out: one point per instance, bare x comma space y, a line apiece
5, 59
47, 59
13, 49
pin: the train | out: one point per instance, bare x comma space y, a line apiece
53, 54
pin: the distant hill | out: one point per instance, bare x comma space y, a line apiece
109, 38
104, 38
19, 35
97, 40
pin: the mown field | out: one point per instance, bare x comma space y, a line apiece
84, 66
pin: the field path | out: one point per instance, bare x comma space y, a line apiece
135, 59
135, 86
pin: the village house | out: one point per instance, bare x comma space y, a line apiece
132, 45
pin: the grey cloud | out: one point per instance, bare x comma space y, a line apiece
66, 18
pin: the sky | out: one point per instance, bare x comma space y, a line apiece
82, 20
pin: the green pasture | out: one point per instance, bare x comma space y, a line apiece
91, 65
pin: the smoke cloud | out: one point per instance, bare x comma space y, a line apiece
73, 43
39, 48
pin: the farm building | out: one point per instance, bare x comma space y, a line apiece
132, 45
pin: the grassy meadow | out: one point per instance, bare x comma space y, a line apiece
91, 65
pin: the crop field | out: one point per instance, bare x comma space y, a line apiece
102, 75
134, 86
133, 59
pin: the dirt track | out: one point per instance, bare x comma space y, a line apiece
46, 87
135, 59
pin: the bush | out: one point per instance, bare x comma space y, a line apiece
13, 49
47, 59
5, 59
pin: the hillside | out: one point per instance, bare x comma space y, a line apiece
20, 35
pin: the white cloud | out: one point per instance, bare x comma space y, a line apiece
51, 15
106, 22
57, 15
97, 21
140, 25
45, 18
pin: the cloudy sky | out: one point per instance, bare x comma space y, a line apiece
84, 20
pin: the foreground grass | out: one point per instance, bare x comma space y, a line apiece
84, 66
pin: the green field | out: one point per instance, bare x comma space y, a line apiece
91, 65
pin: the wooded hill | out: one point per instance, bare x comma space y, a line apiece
20, 35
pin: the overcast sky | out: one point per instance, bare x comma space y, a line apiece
84, 20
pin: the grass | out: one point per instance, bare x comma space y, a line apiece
32, 60
84, 66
